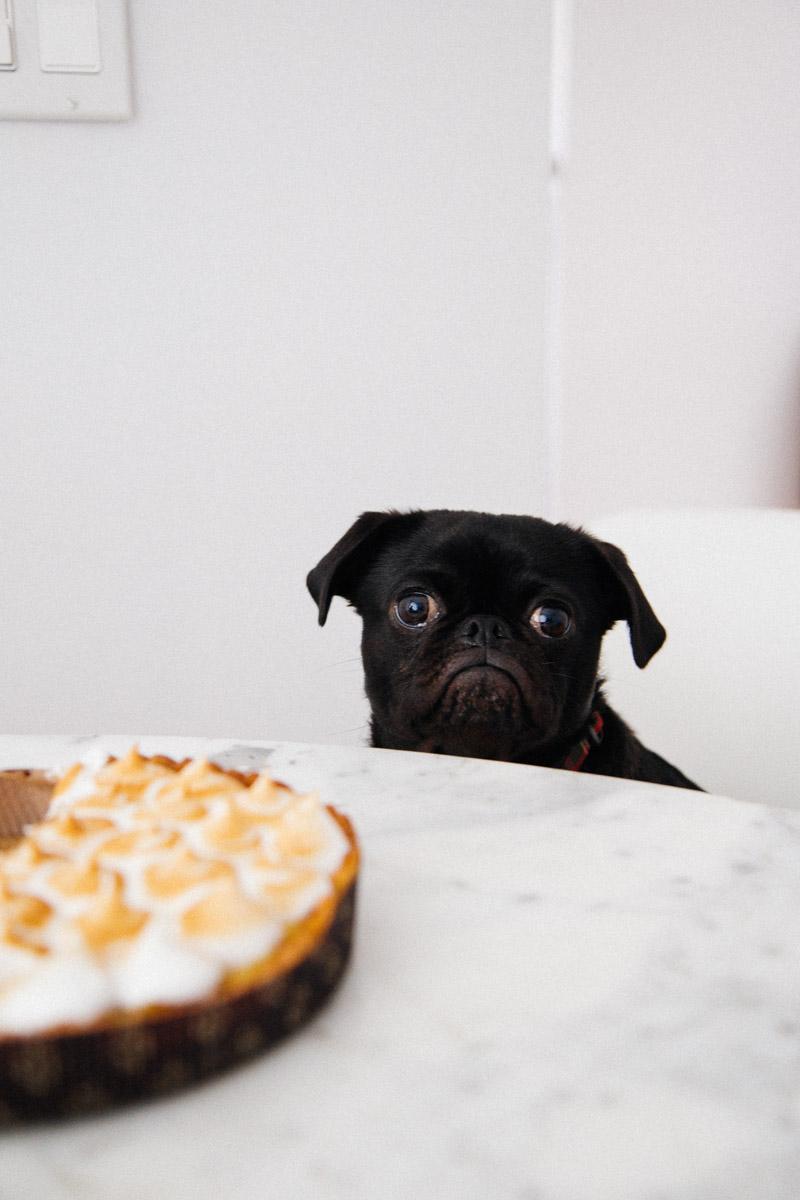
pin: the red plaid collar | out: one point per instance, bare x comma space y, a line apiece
580, 751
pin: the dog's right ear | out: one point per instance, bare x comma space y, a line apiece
646, 631
332, 574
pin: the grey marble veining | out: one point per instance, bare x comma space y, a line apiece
565, 987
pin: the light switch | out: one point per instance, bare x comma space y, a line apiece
69, 61
8, 60
69, 36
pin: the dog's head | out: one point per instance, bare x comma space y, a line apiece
481, 633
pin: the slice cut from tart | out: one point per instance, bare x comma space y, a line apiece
159, 921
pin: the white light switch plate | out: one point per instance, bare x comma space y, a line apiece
94, 88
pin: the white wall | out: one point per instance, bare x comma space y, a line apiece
307, 279
681, 273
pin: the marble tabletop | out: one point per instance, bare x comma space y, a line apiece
564, 987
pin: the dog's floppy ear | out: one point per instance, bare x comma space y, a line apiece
647, 633
329, 576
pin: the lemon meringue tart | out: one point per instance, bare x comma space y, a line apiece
159, 921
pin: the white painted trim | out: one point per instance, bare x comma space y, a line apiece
561, 42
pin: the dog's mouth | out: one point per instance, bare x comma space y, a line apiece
481, 702
492, 669
486, 707
486, 694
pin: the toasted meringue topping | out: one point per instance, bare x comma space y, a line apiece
183, 870
109, 920
74, 878
151, 879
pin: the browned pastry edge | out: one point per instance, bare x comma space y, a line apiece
148, 1052
24, 797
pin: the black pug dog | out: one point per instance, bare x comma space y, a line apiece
482, 638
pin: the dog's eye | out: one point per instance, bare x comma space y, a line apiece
551, 621
416, 609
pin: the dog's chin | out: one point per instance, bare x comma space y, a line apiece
482, 713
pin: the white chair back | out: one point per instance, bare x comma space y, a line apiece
720, 699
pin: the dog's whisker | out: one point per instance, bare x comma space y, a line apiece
344, 662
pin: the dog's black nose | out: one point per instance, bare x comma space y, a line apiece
483, 630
